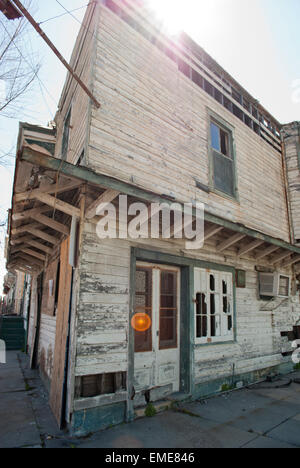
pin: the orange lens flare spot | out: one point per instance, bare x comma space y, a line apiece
141, 322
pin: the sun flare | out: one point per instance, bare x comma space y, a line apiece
171, 13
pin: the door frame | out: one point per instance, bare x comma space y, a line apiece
187, 322
186, 325
156, 289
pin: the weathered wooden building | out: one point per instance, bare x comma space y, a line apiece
172, 126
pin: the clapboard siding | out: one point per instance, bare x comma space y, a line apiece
152, 130
103, 313
292, 155
103, 309
73, 96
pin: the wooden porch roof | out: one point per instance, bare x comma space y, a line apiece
46, 197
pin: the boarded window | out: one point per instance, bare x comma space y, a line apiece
102, 384
143, 304
66, 135
222, 159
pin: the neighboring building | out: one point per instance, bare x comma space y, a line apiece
172, 126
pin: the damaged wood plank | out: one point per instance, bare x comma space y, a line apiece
107, 197
44, 236
58, 204
291, 261
268, 251
230, 242
281, 256
249, 247
39, 246
212, 231
55, 225
30, 213
35, 254
51, 188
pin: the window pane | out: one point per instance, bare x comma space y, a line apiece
201, 326
143, 303
224, 143
215, 324
168, 310
215, 137
201, 316
223, 173
168, 329
212, 283
229, 323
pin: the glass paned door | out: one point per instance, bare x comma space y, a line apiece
157, 348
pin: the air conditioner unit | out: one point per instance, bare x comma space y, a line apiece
267, 284
274, 285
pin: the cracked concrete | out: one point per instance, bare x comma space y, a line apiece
262, 416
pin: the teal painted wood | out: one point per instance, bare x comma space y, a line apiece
214, 387
92, 420
12, 333
187, 330
130, 370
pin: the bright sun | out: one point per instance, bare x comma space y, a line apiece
171, 13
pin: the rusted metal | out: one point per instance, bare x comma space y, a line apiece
9, 10
54, 49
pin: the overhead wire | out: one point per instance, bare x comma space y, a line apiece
35, 72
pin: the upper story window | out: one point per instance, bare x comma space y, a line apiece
66, 136
223, 173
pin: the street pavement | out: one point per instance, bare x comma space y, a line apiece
266, 415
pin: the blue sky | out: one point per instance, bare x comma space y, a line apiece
257, 41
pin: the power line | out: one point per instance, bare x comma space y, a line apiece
41, 84
70, 12
63, 14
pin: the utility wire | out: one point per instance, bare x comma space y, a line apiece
33, 70
70, 12
63, 14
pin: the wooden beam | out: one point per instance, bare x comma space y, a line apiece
103, 181
107, 197
20, 240
280, 256
35, 254
39, 246
30, 260
230, 242
212, 231
44, 236
268, 251
30, 213
56, 226
58, 204
291, 261
22, 229
47, 189
249, 247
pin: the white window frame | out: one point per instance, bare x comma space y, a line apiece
202, 286
278, 282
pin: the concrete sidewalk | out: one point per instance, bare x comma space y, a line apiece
263, 416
